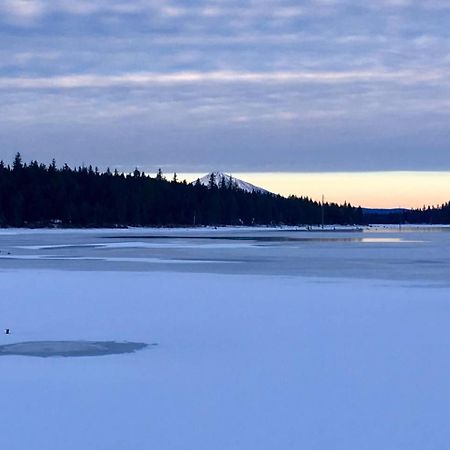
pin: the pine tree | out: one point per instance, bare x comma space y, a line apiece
17, 164
212, 181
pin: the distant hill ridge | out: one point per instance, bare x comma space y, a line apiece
236, 182
385, 210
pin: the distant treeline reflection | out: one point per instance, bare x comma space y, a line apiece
36, 194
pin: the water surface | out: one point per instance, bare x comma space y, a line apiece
389, 253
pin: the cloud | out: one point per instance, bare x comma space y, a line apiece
142, 79
23, 11
30, 11
305, 71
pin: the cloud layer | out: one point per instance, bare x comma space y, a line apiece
239, 85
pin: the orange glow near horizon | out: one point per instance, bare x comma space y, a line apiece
368, 189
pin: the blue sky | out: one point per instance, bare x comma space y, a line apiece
318, 85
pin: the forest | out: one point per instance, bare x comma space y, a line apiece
430, 215
39, 195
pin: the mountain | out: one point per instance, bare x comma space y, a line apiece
237, 183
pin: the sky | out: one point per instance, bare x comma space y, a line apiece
366, 189
313, 86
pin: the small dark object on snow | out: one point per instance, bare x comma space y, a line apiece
7, 331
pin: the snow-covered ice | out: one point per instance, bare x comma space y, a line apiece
308, 341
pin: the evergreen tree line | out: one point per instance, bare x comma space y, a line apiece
437, 215
35, 194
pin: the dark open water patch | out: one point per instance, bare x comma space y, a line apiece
46, 349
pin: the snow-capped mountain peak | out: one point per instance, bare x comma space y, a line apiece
236, 182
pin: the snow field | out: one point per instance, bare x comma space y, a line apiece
242, 362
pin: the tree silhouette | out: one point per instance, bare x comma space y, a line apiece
36, 195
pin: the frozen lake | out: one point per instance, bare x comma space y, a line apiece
414, 254
266, 339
